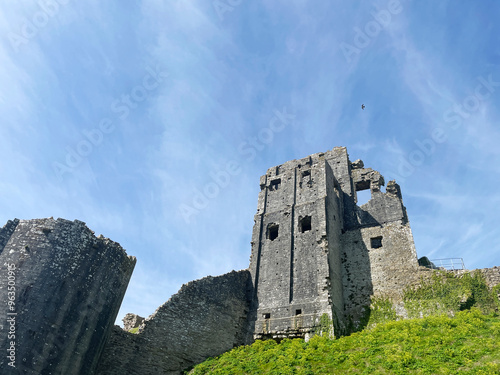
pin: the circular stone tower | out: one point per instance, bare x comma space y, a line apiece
60, 291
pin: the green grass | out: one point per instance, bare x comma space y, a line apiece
468, 343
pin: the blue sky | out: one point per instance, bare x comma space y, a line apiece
153, 121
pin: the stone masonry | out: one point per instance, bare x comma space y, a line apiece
61, 289
131, 321
205, 318
316, 252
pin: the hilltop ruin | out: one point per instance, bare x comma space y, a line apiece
318, 259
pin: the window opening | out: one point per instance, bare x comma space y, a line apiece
306, 179
275, 184
272, 231
305, 224
376, 242
363, 196
266, 316
298, 312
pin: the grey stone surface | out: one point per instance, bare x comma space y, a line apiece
348, 253
131, 321
491, 275
205, 318
66, 287
425, 262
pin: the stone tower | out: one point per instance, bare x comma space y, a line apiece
61, 288
316, 253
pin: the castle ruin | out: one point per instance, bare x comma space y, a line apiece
60, 290
315, 251
317, 260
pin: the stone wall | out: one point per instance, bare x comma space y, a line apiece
315, 251
348, 255
491, 275
205, 318
65, 287
378, 248
379, 271
131, 321
296, 273
334, 229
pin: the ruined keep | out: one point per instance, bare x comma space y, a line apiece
316, 252
61, 288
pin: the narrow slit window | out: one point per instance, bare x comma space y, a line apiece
376, 242
272, 231
305, 224
275, 184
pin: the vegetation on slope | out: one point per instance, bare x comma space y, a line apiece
468, 343
461, 334
446, 293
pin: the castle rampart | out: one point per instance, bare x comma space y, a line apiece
205, 318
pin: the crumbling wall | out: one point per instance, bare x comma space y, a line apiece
378, 247
491, 275
205, 318
378, 261
356, 276
350, 254
393, 260
131, 321
60, 292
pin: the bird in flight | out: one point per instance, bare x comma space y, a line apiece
362, 106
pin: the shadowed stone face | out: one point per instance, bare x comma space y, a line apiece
65, 287
205, 318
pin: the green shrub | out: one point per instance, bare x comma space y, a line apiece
381, 311
448, 294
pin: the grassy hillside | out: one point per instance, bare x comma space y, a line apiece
468, 343
461, 334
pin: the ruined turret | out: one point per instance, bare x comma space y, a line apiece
61, 289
